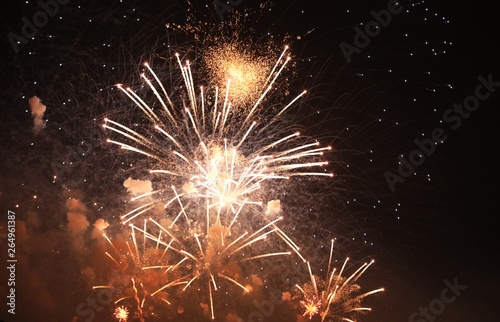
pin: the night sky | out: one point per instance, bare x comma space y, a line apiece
436, 224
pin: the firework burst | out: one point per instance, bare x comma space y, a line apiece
336, 297
213, 149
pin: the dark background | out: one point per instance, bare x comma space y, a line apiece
427, 231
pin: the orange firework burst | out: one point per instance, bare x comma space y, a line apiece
238, 62
203, 248
121, 314
233, 52
210, 251
311, 306
337, 297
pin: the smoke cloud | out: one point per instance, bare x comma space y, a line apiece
37, 112
77, 221
138, 187
273, 207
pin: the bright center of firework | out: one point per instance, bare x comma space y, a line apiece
225, 178
235, 73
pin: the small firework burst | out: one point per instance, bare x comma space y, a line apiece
247, 71
121, 314
230, 49
311, 306
336, 297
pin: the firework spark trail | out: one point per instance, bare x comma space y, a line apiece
337, 300
221, 153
